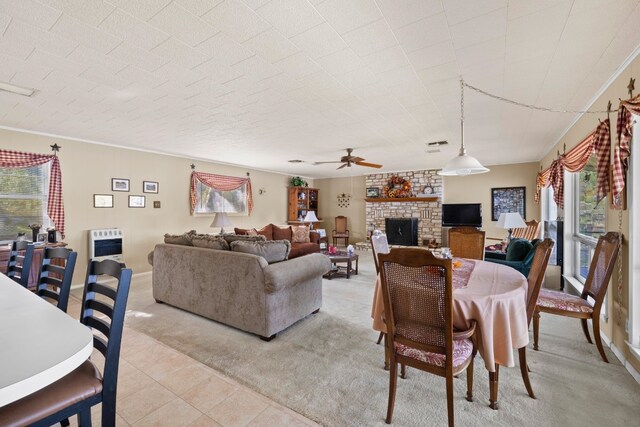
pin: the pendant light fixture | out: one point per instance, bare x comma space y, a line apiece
462, 164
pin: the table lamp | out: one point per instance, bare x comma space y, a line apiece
221, 220
311, 218
510, 220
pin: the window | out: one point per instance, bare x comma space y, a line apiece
209, 200
23, 199
590, 218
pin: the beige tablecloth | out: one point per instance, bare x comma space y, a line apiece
495, 296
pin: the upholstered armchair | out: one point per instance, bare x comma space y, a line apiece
519, 255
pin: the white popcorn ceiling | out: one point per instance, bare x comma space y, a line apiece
259, 82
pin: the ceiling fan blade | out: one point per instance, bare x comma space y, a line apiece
356, 159
321, 163
369, 165
343, 166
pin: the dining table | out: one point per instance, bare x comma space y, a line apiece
495, 297
39, 343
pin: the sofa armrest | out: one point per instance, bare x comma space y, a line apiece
491, 255
287, 274
314, 236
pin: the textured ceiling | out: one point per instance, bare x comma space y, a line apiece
259, 82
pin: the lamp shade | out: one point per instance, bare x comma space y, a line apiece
221, 220
462, 165
310, 217
510, 220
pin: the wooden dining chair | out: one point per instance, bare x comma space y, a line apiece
56, 273
341, 231
595, 287
534, 283
530, 232
466, 242
418, 304
379, 245
19, 263
103, 310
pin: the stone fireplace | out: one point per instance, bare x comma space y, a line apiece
424, 208
402, 231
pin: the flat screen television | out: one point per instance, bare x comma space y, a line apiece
462, 214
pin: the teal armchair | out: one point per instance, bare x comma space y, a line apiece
519, 255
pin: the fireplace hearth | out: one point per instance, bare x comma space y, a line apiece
402, 231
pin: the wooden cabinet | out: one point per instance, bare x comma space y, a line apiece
302, 200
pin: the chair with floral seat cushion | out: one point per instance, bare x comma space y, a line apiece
534, 283
417, 291
595, 288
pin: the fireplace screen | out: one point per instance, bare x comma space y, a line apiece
402, 231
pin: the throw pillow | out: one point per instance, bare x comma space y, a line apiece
241, 230
284, 233
271, 250
266, 231
180, 239
252, 232
300, 234
210, 242
233, 237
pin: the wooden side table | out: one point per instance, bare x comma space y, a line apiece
340, 270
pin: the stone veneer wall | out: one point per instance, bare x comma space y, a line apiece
429, 213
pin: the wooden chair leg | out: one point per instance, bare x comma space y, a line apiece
596, 335
536, 328
524, 370
380, 337
493, 388
585, 329
450, 399
386, 353
403, 371
470, 379
393, 381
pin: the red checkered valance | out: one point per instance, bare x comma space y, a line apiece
623, 149
220, 183
55, 205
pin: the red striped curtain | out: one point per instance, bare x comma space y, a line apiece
55, 204
602, 147
573, 161
219, 183
623, 149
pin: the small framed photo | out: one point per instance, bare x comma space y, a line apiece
42, 237
137, 201
156, 204
373, 192
103, 200
119, 184
149, 187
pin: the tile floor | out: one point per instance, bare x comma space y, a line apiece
159, 386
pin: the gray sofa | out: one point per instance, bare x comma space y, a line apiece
239, 289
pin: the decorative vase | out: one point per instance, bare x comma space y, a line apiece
34, 233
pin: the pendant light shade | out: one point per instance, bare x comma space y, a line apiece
462, 164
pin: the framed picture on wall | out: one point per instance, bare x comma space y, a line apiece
373, 192
149, 187
119, 184
508, 199
103, 200
137, 201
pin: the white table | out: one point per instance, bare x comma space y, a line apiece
39, 344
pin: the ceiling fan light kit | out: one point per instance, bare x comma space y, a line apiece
462, 164
349, 159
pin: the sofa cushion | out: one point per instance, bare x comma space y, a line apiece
272, 250
518, 249
284, 233
300, 249
300, 234
233, 237
210, 242
180, 239
266, 231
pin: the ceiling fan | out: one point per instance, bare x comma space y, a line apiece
349, 159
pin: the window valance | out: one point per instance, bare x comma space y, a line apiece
55, 205
219, 183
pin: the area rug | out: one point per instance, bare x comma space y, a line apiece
328, 368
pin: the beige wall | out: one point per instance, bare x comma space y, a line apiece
477, 189
88, 168
587, 123
330, 188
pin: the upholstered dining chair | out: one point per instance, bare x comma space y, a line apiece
534, 281
55, 279
103, 309
341, 231
418, 305
19, 263
379, 245
466, 242
595, 287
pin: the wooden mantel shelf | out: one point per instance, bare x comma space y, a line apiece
402, 199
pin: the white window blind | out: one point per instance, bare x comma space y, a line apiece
209, 200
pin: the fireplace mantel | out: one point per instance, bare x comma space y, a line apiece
401, 199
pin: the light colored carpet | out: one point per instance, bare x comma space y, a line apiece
328, 367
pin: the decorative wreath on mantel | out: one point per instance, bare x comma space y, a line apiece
397, 187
